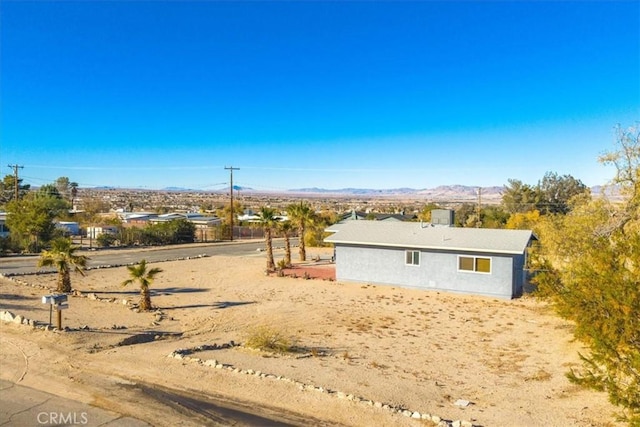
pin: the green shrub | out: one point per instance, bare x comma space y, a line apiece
265, 338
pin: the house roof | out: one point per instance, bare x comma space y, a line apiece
359, 215
426, 236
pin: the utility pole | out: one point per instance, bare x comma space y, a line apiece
478, 223
15, 174
231, 169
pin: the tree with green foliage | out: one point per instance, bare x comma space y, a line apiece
31, 219
518, 197
302, 215
49, 190
493, 216
315, 235
285, 228
551, 195
555, 192
8, 189
224, 213
268, 221
74, 193
174, 231
140, 274
62, 256
63, 185
92, 207
106, 240
523, 220
589, 262
465, 213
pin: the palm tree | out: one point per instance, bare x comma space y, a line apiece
285, 228
144, 277
301, 215
74, 193
62, 256
268, 222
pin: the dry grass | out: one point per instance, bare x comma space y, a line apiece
265, 338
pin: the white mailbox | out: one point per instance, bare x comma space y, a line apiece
59, 301
54, 299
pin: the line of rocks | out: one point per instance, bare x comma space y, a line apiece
7, 316
134, 306
184, 354
74, 293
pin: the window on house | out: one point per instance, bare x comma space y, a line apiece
412, 257
477, 264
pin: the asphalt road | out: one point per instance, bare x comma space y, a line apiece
25, 406
28, 264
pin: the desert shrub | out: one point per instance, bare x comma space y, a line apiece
265, 338
106, 240
589, 268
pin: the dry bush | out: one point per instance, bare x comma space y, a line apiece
265, 338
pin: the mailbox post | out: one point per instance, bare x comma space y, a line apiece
60, 302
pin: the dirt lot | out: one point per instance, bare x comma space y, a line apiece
480, 360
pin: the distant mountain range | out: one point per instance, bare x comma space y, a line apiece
442, 192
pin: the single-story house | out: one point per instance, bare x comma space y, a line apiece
69, 227
198, 219
358, 215
479, 261
4, 231
95, 231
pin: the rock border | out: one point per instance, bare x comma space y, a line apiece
184, 355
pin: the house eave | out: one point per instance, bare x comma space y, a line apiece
426, 247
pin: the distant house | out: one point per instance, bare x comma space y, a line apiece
139, 219
69, 228
196, 218
95, 231
4, 231
479, 261
358, 215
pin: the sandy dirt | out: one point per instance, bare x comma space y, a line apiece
421, 351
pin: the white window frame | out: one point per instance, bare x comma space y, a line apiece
475, 264
413, 257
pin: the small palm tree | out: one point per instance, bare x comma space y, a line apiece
62, 256
302, 215
268, 222
144, 277
285, 227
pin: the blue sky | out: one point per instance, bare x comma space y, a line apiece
366, 94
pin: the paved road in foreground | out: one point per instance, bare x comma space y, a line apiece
25, 406
28, 264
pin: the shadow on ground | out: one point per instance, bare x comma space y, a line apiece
218, 305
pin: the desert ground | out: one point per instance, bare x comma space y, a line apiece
364, 355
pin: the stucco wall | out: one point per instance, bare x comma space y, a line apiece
437, 270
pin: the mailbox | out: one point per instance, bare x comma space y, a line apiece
59, 301
54, 299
